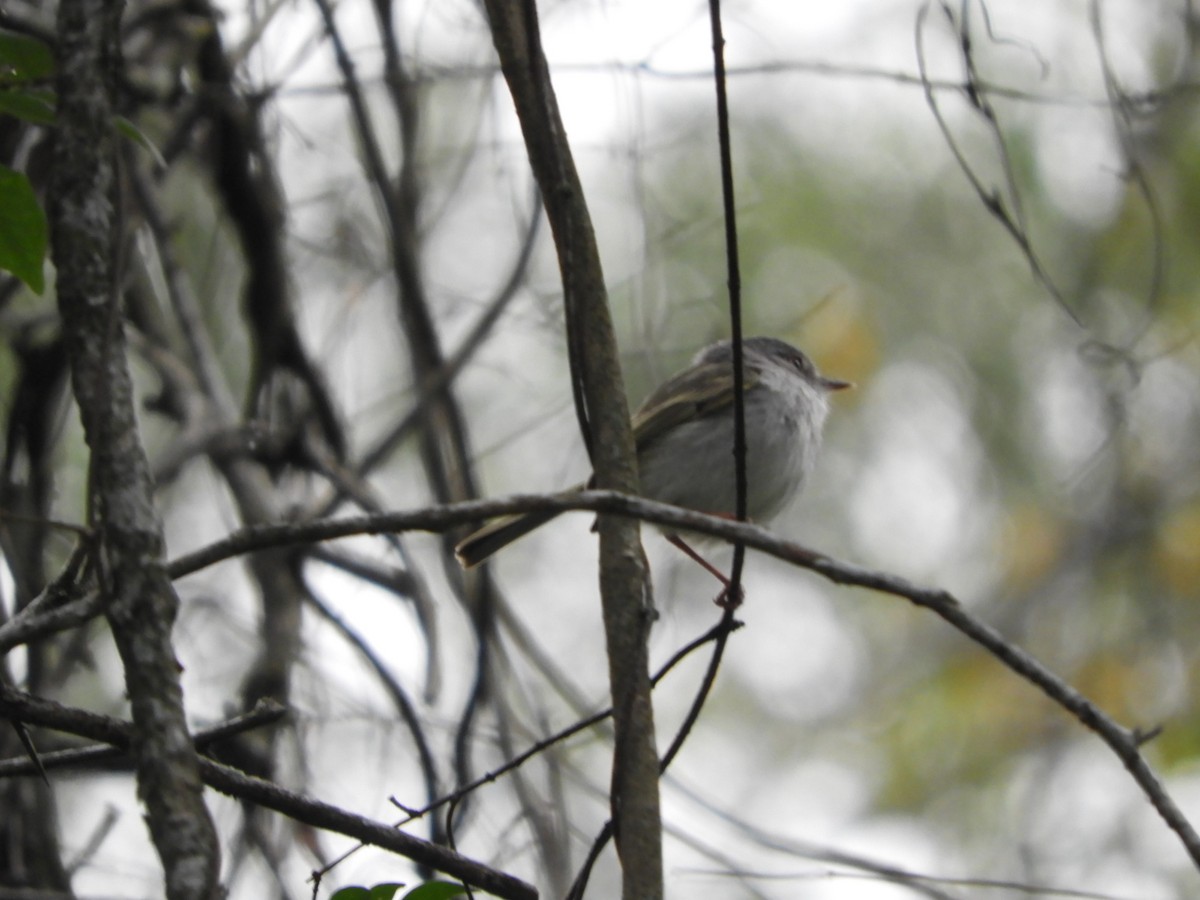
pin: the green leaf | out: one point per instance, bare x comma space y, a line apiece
384, 891
22, 230
36, 106
435, 890
23, 58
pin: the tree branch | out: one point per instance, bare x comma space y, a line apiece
269, 795
140, 601
625, 590
1125, 743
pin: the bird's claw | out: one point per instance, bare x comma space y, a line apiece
727, 601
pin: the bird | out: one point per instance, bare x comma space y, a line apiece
684, 435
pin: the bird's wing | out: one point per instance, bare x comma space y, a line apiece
692, 394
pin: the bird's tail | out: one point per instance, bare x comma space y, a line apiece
478, 546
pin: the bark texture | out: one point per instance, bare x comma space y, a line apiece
128, 545
624, 577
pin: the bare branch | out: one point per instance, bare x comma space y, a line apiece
1003, 203
271, 796
140, 602
603, 414
1126, 744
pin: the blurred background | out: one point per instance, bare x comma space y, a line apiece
1008, 273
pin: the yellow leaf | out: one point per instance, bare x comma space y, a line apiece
1177, 551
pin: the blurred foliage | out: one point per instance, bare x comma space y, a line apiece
1084, 436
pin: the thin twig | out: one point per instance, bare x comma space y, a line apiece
266, 712
734, 278
1008, 213
1123, 126
400, 699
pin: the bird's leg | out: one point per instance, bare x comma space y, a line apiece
724, 599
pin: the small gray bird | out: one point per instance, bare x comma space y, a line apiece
684, 434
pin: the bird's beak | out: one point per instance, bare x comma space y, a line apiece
834, 384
